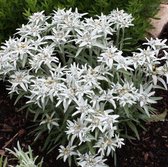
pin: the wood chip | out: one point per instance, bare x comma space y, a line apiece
2, 152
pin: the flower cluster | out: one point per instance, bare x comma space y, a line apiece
69, 68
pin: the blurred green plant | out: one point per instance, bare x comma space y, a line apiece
3, 161
10, 17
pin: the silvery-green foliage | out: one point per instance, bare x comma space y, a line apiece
3, 161
79, 83
25, 158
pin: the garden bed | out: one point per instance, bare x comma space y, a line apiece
150, 151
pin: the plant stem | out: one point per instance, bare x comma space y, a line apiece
90, 57
122, 39
62, 56
117, 39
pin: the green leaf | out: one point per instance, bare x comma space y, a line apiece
19, 97
133, 128
158, 117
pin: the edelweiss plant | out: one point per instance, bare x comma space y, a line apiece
82, 88
25, 159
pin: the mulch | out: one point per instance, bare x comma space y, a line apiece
150, 151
